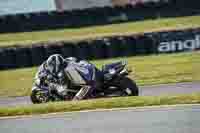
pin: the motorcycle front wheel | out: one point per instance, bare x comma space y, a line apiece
37, 97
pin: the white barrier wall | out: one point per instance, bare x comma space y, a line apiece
81, 4
24, 6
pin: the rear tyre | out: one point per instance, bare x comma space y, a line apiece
129, 86
38, 97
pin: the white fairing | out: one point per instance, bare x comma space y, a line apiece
35, 88
37, 81
74, 76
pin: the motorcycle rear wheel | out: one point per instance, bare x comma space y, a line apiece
129, 86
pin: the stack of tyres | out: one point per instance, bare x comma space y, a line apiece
38, 54
70, 19
140, 45
23, 57
9, 25
129, 11
149, 42
133, 13
63, 18
3, 24
112, 15
20, 23
68, 49
7, 56
76, 19
125, 46
94, 16
97, 16
52, 20
154, 40
98, 50
84, 18
83, 50
192, 4
2, 60
131, 45
145, 11
113, 47
122, 46
53, 48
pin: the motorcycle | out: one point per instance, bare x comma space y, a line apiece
113, 81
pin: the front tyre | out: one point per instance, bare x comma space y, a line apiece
37, 97
129, 86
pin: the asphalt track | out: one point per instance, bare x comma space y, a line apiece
155, 90
172, 119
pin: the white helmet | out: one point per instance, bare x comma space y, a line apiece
54, 64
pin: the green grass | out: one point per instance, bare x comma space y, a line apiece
156, 69
121, 102
98, 31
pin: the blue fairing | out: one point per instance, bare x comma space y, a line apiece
107, 67
86, 71
44, 88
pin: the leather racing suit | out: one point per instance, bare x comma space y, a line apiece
71, 69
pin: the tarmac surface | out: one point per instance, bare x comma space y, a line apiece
171, 119
154, 90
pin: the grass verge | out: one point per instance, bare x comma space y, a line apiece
155, 69
121, 102
27, 38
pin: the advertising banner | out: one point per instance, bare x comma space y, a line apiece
178, 41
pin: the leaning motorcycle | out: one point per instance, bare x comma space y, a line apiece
113, 81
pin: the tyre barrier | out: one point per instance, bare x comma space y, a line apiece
83, 50
23, 57
37, 54
102, 48
53, 48
98, 49
96, 16
112, 47
8, 59
68, 49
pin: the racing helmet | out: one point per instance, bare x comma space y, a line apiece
54, 63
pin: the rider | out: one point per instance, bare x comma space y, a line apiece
54, 68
